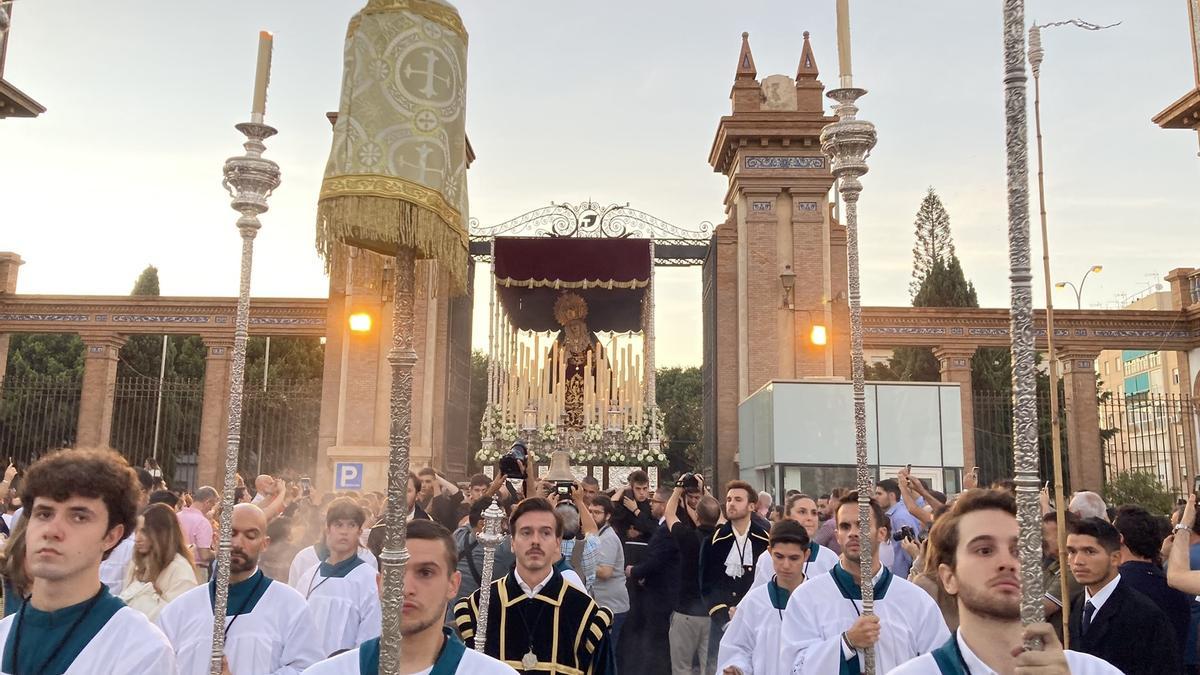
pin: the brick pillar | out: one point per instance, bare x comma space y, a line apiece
956, 367
1180, 279
9, 264
214, 418
99, 385
1086, 461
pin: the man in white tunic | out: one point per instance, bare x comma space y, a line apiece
824, 630
316, 553
977, 546
80, 503
431, 580
342, 593
802, 509
750, 645
268, 630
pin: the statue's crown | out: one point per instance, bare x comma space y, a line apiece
570, 307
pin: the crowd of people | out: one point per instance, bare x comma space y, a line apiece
107, 571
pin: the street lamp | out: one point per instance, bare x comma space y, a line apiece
1094, 269
360, 322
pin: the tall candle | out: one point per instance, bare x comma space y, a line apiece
843, 32
262, 75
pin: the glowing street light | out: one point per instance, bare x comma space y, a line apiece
360, 322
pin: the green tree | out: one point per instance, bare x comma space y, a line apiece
48, 354
479, 385
679, 394
933, 241
1139, 488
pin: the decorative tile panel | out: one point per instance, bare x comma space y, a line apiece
807, 162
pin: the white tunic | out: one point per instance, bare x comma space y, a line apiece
306, 558
344, 605
472, 663
751, 641
128, 643
824, 561
277, 637
819, 612
114, 568
1078, 662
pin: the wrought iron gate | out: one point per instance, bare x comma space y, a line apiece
38, 413
1153, 434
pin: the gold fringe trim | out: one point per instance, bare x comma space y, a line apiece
393, 187
509, 282
383, 225
438, 13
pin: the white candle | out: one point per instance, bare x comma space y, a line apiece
262, 76
843, 33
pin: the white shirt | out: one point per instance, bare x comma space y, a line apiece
1079, 663
741, 554
473, 663
530, 592
1100, 598
821, 563
114, 568
128, 643
345, 609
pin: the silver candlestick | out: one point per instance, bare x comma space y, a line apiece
493, 518
848, 142
1024, 384
250, 180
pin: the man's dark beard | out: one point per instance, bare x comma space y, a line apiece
979, 603
241, 563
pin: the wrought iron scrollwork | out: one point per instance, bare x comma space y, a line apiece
591, 219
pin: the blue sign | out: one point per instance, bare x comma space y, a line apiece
347, 475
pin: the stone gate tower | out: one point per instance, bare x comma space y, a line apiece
777, 265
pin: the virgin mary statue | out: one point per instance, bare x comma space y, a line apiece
576, 342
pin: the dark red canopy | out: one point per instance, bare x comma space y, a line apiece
610, 274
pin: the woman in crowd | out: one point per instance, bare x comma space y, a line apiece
162, 567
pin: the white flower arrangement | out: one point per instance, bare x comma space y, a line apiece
508, 433
634, 435
492, 423
548, 434
649, 457
593, 433
487, 456
584, 455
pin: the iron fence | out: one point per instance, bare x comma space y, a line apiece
280, 423
994, 442
1153, 434
38, 413
160, 420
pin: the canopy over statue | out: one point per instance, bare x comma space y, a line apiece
571, 350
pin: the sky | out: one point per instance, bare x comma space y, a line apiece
617, 102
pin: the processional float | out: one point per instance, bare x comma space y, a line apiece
571, 351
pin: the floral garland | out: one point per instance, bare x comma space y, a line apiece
548, 434
486, 456
593, 433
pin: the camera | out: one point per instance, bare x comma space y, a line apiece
564, 489
690, 482
512, 464
905, 532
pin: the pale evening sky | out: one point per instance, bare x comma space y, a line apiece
615, 101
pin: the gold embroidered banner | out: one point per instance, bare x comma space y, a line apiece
397, 171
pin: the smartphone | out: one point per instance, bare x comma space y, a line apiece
908, 468
305, 486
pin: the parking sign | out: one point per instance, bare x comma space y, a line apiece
348, 475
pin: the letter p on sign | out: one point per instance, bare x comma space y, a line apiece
348, 475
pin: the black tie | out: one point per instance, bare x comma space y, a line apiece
1088, 611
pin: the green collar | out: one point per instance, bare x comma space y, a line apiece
446, 664
949, 658
243, 595
849, 588
779, 597
341, 569
51, 641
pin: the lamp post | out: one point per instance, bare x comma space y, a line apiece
1094, 269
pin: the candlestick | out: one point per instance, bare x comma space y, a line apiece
843, 32
262, 76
